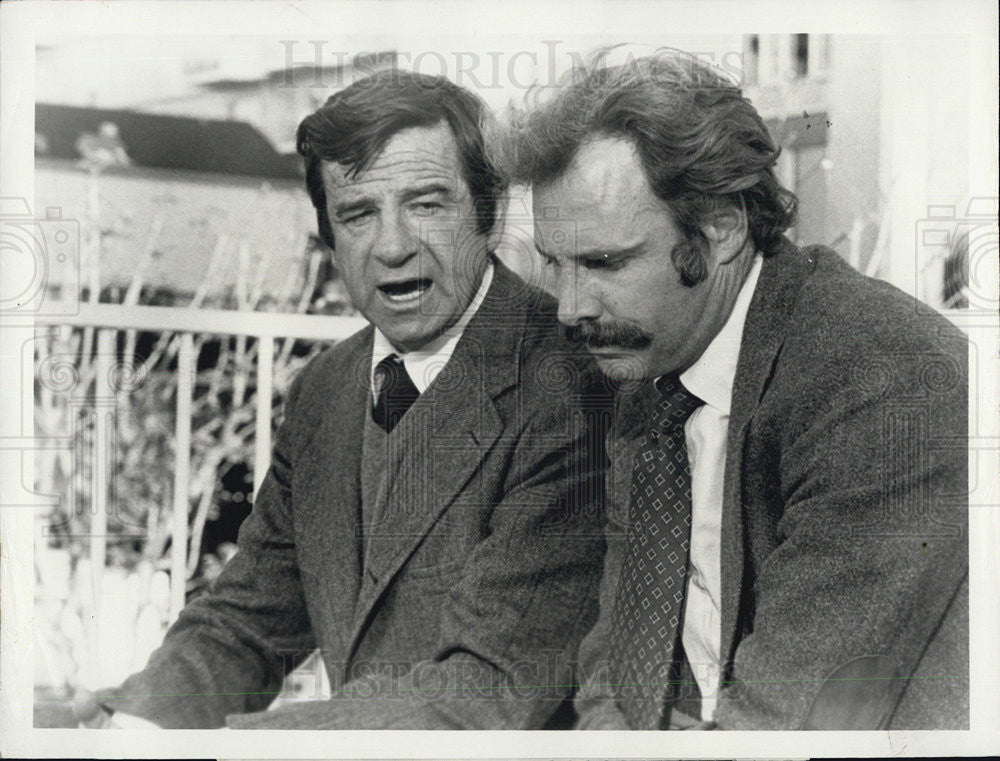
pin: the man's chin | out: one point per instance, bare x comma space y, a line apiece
410, 336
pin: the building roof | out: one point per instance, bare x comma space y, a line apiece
168, 142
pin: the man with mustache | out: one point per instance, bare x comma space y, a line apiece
597, 335
787, 540
431, 520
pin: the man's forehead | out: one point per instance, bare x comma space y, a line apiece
603, 174
600, 203
414, 154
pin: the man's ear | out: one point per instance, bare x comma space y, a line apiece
727, 233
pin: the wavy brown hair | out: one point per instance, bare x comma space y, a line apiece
354, 126
702, 145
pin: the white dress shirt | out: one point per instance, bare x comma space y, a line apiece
710, 378
424, 364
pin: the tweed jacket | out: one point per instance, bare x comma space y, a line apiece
844, 520
484, 560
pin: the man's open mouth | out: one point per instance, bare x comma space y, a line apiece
406, 290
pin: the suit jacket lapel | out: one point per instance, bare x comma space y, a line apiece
763, 334
443, 439
329, 482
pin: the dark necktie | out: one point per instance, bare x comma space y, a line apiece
646, 622
394, 392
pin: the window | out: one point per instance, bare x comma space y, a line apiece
800, 55
751, 59
819, 55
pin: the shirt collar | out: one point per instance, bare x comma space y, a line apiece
424, 364
712, 375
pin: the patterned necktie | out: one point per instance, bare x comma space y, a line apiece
394, 392
650, 599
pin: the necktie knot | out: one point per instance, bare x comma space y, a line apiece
394, 392
675, 403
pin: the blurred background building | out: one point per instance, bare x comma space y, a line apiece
880, 138
205, 134
875, 130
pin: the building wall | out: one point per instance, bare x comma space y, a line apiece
925, 162
854, 101
792, 95
897, 151
198, 213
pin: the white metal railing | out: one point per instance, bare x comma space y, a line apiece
264, 327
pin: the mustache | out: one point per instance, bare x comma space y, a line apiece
625, 335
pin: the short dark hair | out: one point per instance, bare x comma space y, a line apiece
702, 145
354, 125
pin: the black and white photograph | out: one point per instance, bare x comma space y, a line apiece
571, 374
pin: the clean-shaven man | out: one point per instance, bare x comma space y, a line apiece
431, 520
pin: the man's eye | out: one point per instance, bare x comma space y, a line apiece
426, 208
602, 263
549, 261
357, 217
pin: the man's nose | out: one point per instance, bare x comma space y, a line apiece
396, 241
576, 301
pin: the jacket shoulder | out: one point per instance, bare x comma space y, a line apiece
346, 358
850, 338
844, 306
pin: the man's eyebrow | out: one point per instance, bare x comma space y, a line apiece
357, 204
426, 190
610, 253
603, 253
367, 202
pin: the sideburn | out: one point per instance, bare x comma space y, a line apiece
689, 257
